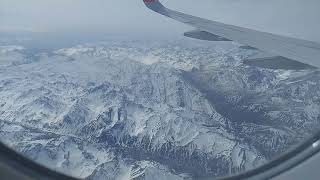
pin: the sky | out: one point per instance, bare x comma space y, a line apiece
296, 18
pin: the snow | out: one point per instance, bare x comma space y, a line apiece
119, 109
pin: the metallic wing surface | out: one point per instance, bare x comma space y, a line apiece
296, 53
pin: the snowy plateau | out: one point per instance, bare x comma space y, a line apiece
152, 110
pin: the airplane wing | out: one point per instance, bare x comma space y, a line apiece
290, 50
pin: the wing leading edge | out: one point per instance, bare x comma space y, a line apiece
305, 52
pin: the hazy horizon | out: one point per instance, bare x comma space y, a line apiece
296, 18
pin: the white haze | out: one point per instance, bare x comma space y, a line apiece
297, 18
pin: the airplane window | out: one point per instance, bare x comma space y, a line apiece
154, 89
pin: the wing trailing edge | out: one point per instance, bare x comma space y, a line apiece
203, 35
277, 62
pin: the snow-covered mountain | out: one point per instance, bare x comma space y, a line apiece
145, 110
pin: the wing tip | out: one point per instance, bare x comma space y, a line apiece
147, 2
156, 6
150, 1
